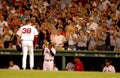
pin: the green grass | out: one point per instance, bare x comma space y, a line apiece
54, 74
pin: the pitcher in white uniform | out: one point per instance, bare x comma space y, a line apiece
27, 33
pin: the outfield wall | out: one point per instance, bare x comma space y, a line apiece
90, 58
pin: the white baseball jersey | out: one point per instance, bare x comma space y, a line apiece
109, 69
27, 32
47, 54
70, 66
48, 59
15, 67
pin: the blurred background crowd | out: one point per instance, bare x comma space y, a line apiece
67, 24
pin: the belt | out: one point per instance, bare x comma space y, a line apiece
48, 60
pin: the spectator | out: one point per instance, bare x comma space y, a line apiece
10, 45
34, 22
3, 24
14, 38
108, 66
82, 41
117, 40
13, 66
92, 41
53, 35
112, 38
101, 36
7, 33
1, 44
78, 64
64, 3
59, 40
71, 37
36, 45
45, 3
55, 14
107, 41
42, 34
92, 25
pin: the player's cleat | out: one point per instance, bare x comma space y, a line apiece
31, 68
24, 68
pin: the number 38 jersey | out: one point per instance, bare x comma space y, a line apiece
27, 32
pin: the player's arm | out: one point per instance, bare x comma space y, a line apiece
19, 32
51, 52
35, 31
18, 36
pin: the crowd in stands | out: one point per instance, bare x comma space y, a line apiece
67, 24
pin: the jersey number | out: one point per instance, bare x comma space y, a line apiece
26, 30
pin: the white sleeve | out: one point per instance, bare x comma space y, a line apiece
112, 69
19, 32
44, 51
104, 69
53, 50
17, 67
35, 31
67, 66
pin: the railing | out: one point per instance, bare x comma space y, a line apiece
64, 53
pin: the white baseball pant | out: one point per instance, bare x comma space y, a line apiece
27, 46
48, 65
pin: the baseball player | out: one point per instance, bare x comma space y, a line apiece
108, 66
27, 33
49, 53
